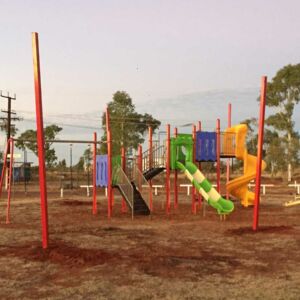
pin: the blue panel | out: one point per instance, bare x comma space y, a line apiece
101, 170
206, 146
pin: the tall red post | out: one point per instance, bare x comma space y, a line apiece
228, 159
40, 137
10, 179
175, 178
95, 174
140, 158
109, 175
140, 164
150, 133
218, 146
259, 150
168, 171
194, 207
123, 157
4, 166
199, 165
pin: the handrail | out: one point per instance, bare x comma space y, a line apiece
122, 181
142, 185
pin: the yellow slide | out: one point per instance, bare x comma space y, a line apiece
238, 187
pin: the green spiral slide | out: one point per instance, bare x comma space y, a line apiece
205, 188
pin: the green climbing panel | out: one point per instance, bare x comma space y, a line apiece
181, 149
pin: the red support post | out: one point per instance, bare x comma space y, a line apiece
199, 166
94, 174
10, 179
140, 158
175, 178
123, 157
228, 159
168, 171
194, 207
140, 165
259, 151
4, 166
150, 166
109, 175
218, 156
40, 138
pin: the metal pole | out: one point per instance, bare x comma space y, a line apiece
175, 178
259, 151
40, 138
218, 156
71, 165
24, 170
228, 159
194, 208
109, 175
168, 184
94, 174
10, 179
123, 209
88, 165
199, 164
4, 167
150, 133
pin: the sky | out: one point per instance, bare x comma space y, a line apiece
181, 61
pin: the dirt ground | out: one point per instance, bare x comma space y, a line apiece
180, 256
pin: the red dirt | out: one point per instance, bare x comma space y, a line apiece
180, 256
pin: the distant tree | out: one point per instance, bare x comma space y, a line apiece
29, 142
87, 158
283, 93
4, 127
128, 126
80, 165
62, 165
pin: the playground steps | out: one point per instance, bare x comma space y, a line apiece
139, 204
152, 172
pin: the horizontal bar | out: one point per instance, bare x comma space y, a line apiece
61, 141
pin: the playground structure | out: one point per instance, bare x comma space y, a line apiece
180, 153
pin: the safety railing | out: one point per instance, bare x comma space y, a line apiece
228, 144
155, 158
120, 179
142, 185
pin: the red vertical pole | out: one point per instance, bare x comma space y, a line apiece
140, 165
110, 192
218, 156
40, 138
4, 166
123, 157
168, 184
199, 165
228, 159
140, 158
95, 174
109, 175
194, 208
150, 166
10, 179
175, 178
259, 150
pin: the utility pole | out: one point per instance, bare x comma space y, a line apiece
7, 123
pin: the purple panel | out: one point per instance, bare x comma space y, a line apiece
206, 146
101, 170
